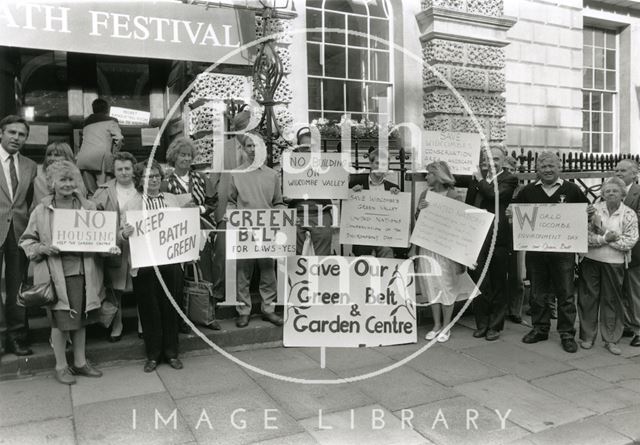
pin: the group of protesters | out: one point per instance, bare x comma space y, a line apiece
108, 179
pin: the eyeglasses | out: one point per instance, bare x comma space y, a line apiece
154, 176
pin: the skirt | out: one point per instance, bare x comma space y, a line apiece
440, 286
75, 318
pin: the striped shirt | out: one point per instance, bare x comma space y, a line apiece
154, 202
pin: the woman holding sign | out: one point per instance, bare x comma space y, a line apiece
77, 277
158, 317
439, 276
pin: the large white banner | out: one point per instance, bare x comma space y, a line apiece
349, 302
83, 230
550, 227
461, 151
452, 229
324, 177
372, 218
164, 236
261, 233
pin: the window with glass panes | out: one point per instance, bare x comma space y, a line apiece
349, 73
599, 91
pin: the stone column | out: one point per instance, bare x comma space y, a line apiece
464, 41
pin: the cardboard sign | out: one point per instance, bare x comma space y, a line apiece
324, 177
452, 229
164, 236
550, 227
349, 302
372, 218
38, 135
128, 116
461, 151
261, 233
83, 230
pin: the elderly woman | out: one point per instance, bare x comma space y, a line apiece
77, 277
56, 151
613, 231
440, 290
158, 317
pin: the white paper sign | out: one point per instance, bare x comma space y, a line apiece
148, 136
452, 229
550, 227
164, 236
261, 233
349, 302
372, 218
324, 177
83, 230
128, 116
461, 151
38, 135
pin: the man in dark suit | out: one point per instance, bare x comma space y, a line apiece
372, 181
16, 193
490, 306
627, 170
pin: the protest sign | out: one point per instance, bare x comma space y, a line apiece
372, 218
461, 151
349, 302
452, 229
324, 176
83, 230
550, 227
261, 233
128, 116
164, 236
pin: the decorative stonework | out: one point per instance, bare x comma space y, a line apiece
274, 26
210, 86
443, 101
492, 8
204, 147
446, 51
463, 78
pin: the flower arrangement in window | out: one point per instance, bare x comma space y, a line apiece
363, 129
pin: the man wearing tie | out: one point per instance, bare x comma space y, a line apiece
16, 192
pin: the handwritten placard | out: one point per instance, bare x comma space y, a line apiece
550, 227
83, 230
164, 236
308, 177
452, 229
461, 151
261, 233
349, 302
372, 218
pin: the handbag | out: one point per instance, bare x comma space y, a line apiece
37, 295
198, 297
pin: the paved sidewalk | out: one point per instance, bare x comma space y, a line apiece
466, 391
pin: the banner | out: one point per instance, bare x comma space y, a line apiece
550, 227
325, 177
372, 218
169, 30
83, 230
452, 229
261, 233
129, 116
349, 302
164, 236
461, 151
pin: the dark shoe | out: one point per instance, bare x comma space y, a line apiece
627, 332
175, 363
514, 319
635, 341
273, 318
479, 333
569, 345
140, 335
492, 335
115, 338
87, 370
18, 347
65, 376
242, 321
184, 329
534, 337
150, 365
214, 325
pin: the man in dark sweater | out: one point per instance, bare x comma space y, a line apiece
490, 306
551, 272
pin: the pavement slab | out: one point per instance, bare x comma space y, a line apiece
304, 400
112, 421
33, 399
110, 386
531, 407
597, 360
461, 420
236, 417
277, 360
624, 421
371, 425
341, 359
576, 433
617, 373
632, 384
47, 432
294, 439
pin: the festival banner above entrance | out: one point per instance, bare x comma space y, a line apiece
166, 29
